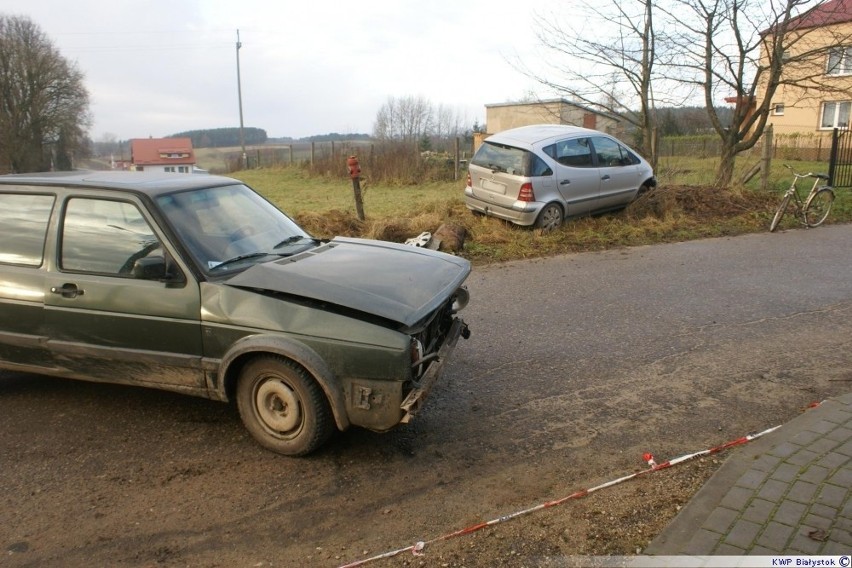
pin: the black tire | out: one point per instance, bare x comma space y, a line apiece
550, 217
818, 207
780, 212
283, 407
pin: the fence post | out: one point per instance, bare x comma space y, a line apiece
355, 174
766, 159
456, 161
832, 157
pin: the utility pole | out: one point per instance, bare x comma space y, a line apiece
240, 99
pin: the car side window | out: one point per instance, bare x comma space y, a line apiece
610, 153
631, 158
23, 227
538, 167
573, 152
104, 237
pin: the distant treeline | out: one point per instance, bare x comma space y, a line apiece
330, 137
229, 137
672, 121
685, 121
222, 137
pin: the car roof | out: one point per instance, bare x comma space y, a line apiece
535, 134
149, 183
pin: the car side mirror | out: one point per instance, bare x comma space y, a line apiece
150, 268
158, 268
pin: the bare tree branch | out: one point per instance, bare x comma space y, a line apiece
744, 51
610, 70
44, 105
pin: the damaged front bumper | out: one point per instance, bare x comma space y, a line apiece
433, 372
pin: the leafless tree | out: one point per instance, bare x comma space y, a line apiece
108, 145
604, 59
743, 51
447, 123
417, 121
405, 119
43, 102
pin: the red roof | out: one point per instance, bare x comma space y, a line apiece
161, 151
831, 12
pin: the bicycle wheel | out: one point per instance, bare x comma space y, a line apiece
780, 213
818, 207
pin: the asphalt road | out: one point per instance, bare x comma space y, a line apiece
577, 365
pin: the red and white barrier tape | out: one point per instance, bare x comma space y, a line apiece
417, 548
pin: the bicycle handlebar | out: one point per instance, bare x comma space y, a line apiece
809, 174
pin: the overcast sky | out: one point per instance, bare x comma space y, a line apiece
158, 67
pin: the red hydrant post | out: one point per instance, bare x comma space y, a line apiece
355, 174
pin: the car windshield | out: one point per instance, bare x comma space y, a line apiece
231, 227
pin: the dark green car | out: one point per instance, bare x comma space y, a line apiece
197, 284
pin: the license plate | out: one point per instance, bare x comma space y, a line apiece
493, 186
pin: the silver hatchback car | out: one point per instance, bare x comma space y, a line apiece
542, 174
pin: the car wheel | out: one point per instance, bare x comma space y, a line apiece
550, 217
283, 407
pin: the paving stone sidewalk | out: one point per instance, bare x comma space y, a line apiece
785, 493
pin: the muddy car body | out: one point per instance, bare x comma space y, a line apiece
196, 284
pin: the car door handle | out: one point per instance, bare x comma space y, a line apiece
605, 177
565, 182
67, 290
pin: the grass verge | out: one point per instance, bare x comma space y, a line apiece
674, 211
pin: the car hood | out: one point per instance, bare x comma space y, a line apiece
397, 282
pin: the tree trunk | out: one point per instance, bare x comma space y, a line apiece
725, 171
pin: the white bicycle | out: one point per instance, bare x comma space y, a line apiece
812, 209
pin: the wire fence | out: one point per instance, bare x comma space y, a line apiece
405, 162
814, 148
385, 161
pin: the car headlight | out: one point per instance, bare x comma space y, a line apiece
461, 300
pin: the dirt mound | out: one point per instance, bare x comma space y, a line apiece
331, 223
701, 202
343, 223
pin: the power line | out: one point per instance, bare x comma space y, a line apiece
122, 47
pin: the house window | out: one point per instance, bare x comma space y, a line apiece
169, 169
778, 109
183, 170
835, 114
839, 61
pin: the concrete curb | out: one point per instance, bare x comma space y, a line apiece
785, 493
